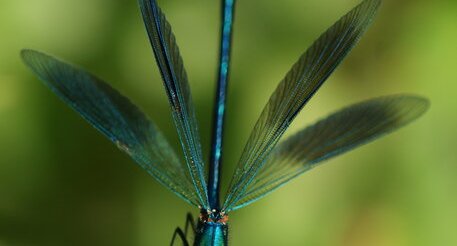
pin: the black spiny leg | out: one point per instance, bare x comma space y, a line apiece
178, 232
189, 221
183, 235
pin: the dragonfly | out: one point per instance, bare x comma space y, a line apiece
267, 161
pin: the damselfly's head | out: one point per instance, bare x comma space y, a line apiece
213, 216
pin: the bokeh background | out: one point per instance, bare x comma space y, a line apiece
63, 183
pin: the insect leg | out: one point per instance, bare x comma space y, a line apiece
180, 233
189, 221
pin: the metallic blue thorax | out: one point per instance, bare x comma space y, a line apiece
211, 234
212, 230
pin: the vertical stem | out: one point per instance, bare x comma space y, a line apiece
219, 109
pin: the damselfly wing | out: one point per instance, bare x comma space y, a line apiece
266, 163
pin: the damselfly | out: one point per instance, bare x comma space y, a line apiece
265, 163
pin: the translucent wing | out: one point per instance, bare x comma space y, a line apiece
332, 136
299, 85
175, 80
117, 118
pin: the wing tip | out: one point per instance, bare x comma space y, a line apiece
417, 101
26, 54
412, 105
372, 4
368, 9
29, 56
423, 104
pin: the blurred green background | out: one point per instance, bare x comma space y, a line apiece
63, 183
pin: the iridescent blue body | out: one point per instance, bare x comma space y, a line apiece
219, 111
212, 232
266, 163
